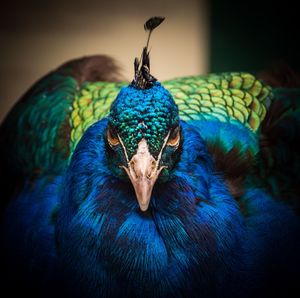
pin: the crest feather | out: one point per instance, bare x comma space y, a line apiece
142, 77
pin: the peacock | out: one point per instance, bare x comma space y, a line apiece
185, 188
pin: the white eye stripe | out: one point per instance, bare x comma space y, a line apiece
124, 149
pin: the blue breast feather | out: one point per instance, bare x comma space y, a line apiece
85, 229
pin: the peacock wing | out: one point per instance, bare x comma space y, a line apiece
227, 109
36, 136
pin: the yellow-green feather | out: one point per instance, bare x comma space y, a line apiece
50, 120
228, 97
91, 104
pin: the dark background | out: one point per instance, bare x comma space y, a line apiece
252, 35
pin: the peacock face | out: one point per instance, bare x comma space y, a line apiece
143, 138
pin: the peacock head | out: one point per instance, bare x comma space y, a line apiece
143, 135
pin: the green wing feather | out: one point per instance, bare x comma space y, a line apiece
35, 137
42, 131
91, 104
228, 97
36, 133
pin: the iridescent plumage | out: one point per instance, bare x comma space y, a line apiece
83, 151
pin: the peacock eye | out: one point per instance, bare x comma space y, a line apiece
174, 137
112, 138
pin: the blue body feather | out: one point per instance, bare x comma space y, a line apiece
194, 241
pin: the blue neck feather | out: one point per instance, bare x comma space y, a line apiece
158, 253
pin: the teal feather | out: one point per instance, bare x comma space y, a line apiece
149, 113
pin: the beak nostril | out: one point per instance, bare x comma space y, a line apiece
132, 163
153, 165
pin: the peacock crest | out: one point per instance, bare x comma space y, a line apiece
142, 77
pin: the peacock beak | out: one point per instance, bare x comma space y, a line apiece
143, 171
